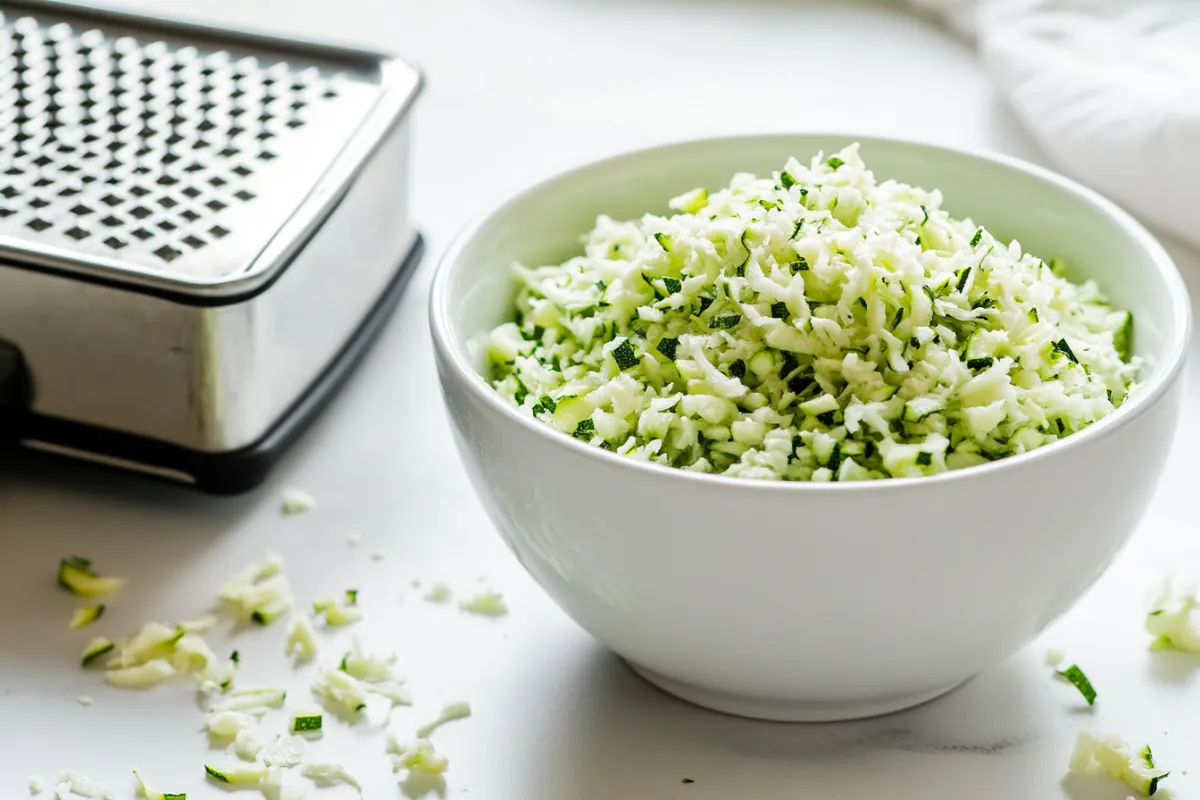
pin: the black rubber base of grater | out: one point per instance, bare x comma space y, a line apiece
235, 471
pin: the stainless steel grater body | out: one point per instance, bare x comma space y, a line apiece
195, 224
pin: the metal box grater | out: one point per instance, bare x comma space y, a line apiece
200, 231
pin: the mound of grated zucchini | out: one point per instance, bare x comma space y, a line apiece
816, 325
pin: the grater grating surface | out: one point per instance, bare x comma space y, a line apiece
179, 159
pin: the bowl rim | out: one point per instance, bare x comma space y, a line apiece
1171, 359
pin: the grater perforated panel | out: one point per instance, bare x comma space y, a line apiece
172, 158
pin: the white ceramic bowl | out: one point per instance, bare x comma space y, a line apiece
801, 601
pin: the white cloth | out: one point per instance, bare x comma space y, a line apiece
1110, 89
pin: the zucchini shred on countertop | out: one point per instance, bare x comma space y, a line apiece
815, 325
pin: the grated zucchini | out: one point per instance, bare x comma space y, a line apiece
486, 603
76, 576
97, 648
1110, 756
306, 723
450, 713
146, 792
85, 616
816, 274
1074, 675
417, 757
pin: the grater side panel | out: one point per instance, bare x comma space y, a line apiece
153, 156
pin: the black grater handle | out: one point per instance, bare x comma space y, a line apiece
16, 389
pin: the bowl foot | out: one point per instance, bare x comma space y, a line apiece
785, 710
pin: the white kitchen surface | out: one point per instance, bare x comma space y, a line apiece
518, 89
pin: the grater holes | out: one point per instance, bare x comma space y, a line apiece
6, 212
168, 130
168, 253
10, 192
38, 224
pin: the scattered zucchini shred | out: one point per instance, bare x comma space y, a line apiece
260, 593
75, 574
97, 648
1172, 620
335, 612
417, 757
450, 713
486, 603
296, 502
301, 639
147, 793
236, 774
1097, 754
86, 615
1074, 675
329, 775
306, 723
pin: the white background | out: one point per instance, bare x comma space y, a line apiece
519, 89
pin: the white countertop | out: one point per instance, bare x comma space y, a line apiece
518, 89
